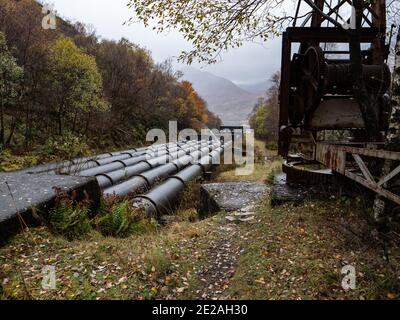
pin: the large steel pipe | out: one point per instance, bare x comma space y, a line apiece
149, 178
107, 179
85, 164
162, 198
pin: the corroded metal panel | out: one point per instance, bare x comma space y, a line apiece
331, 156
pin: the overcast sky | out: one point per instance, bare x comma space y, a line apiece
249, 64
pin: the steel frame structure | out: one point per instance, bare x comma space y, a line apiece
352, 160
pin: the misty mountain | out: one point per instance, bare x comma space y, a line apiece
257, 88
232, 103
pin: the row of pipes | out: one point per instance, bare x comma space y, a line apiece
137, 171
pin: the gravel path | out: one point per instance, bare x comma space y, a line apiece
222, 259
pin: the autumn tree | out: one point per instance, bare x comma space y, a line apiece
10, 79
258, 118
213, 26
265, 117
71, 76
75, 83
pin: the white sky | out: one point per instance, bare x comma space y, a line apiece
249, 64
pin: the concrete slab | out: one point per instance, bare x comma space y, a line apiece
282, 192
231, 197
20, 192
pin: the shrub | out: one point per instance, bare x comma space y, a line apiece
70, 219
67, 146
119, 219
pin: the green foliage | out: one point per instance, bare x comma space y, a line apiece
10, 77
10, 74
258, 122
121, 220
70, 219
211, 26
10, 162
67, 146
117, 221
110, 93
265, 118
75, 81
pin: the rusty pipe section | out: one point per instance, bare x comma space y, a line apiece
162, 199
159, 169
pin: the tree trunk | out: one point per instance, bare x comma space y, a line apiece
12, 130
27, 133
88, 123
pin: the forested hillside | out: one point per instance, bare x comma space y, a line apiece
66, 91
265, 117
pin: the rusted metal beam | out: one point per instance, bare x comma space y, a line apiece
375, 153
364, 168
304, 34
334, 157
374, 187
389, 177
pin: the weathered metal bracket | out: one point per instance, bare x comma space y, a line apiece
335, 157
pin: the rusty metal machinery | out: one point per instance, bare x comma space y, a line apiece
316, 87
319, 95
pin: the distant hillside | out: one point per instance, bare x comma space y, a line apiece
231, 103
258, 87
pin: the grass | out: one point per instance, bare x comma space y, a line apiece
267, 164
148, 266
12, 162
291, 252
300, 251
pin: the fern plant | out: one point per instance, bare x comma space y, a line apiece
69, 219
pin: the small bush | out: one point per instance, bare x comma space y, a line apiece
119, 219
70, 219
144, 226
68, 146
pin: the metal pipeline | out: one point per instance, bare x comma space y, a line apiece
162, 198
107, 179
85, 164
148, 178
